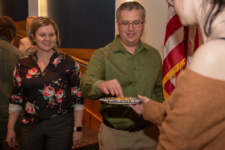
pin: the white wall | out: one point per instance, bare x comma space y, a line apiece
156, 20
43, 8
37, 8
32, 7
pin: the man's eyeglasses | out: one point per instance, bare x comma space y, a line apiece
125, 24
170, 2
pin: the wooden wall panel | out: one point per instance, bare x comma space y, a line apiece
84, 54
16, 41
95, 123
86, 119
92, 108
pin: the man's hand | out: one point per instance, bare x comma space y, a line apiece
112, 87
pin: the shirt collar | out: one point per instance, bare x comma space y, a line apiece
35, 58
117, 46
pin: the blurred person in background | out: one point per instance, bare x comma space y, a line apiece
9, 55
25, 44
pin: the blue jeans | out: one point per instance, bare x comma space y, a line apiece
52, 134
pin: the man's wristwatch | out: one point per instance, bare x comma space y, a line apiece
78, 129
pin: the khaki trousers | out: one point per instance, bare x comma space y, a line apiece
113, 139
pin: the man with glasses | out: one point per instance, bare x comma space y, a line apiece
125, 68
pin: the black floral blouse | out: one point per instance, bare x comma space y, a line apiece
46, 94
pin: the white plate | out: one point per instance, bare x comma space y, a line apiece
110, 100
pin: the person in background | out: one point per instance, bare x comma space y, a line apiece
124, 68
193, 117
25, 44
46, 88
9, 55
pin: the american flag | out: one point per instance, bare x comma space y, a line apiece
179, 45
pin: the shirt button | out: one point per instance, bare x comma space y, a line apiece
134, 68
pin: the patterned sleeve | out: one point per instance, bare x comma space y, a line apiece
17, 94
75, 75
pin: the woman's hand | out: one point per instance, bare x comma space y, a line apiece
77, 137
139, 108
11, 138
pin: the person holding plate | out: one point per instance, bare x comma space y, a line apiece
193, 117
124, 68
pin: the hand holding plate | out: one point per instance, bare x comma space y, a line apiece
139, 108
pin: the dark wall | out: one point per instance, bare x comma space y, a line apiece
84, 23
16, 9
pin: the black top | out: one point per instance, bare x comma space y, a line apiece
46, 94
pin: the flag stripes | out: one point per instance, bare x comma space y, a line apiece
179, 46
174, 52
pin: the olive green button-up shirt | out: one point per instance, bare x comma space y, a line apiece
140, 73
9, 55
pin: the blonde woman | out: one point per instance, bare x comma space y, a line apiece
46, 89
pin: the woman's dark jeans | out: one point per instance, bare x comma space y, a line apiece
52, 134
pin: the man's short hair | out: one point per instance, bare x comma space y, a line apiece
7, 28
129, 6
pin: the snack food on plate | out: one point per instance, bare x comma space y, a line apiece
120, 98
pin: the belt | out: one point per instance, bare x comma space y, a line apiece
131, 128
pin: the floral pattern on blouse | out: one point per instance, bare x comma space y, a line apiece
46, 94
